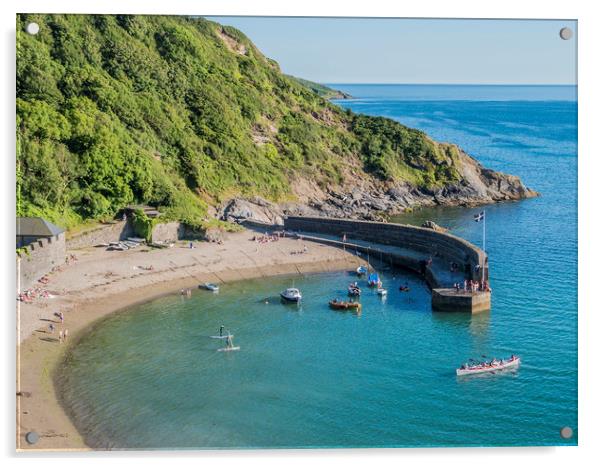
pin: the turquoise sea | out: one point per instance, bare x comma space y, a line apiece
307, 376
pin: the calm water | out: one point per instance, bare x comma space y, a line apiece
312, 377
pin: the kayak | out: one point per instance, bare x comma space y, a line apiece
489, 367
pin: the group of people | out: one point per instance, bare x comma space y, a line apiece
493, 363
28, 296
473, 286
300, 251
267, 238
63, 333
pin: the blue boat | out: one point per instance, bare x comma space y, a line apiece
373, 279
361, 270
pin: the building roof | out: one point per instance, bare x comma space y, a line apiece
36, 226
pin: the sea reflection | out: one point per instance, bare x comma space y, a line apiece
476, 324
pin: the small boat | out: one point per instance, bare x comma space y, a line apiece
405, 289
489, 366
361, 270
292, 295
209, 286
373, 280
381, 292
354, 290
345, 305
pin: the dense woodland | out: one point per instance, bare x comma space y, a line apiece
182, 113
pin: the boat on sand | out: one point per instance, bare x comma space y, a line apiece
209, 286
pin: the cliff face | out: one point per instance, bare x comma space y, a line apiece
186, 115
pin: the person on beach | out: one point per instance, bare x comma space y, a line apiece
65, 334
51, 328
62, 317
61, 336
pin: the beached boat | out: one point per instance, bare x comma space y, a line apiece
292, 295
345, 305
209, 286
354, 290
373, 279
489, 366
361, 270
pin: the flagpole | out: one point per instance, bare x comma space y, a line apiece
484, 220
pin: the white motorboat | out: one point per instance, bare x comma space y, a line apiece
382, 292
209, 286
490, 366
292, 295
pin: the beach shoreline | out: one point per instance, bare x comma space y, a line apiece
101, 283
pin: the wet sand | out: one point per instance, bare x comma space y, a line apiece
101, 282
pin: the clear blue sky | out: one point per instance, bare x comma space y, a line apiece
331, 50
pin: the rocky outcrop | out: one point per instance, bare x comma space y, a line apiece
256, 208
433, 226
371, 199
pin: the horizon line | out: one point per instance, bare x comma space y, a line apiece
446, 84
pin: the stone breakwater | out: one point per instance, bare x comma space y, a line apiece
424, 251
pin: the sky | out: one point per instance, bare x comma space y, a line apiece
344, 50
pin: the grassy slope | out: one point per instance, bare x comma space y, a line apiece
182, 113
320, 89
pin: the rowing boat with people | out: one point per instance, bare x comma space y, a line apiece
489, 366
345, 305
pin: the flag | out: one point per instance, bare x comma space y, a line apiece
480, 216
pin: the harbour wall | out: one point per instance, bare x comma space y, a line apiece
38, 258
427, 243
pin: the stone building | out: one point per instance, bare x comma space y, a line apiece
41, 247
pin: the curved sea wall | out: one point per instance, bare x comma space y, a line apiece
421, 244
424, 240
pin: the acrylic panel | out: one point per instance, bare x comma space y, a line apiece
269, 232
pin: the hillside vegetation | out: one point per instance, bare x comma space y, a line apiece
183, 114
322, 90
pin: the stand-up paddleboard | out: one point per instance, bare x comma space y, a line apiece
220, 337
231, 348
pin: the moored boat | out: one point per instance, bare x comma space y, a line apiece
292, 295
382, 292
354, 290
489, 366
345, 305
374, 280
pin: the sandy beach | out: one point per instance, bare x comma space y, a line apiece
101, 282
